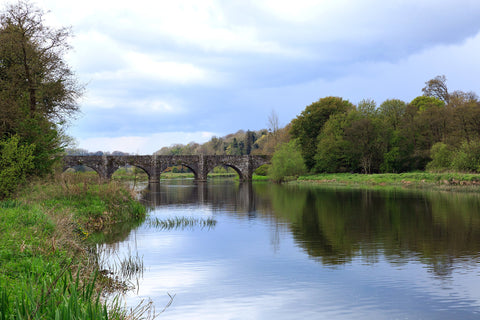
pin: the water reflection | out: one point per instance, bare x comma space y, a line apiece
334, 226
302, 252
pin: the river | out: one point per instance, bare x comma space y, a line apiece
230, 250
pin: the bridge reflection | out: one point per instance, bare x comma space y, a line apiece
238, 196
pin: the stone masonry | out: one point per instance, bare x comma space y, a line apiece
201, 165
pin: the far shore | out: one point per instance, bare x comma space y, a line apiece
448, 181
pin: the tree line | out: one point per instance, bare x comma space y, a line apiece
437, 131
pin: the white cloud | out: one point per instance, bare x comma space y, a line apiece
221, 66
147, 66
143, 144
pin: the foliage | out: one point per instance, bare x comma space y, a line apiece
307, 126
423, 103
353, 142
442, 156
43, 244
367, 108
467, 157
287, 161
392, 111
262, 170
332, 147
239, 143
16, 162
38, 91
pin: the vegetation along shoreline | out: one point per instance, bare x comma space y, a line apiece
49, 264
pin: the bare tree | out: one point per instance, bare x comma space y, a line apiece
273, 124
437, 87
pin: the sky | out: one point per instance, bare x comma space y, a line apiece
158, 72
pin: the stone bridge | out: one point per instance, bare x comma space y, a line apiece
201, 165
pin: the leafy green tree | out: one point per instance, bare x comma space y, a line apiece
423, 103
287, 161
368, 141
465, 114
16, 161
367, 108
392, 111
307, 126
333, 151
38, 91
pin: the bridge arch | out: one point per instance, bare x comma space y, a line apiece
192, 168
191, 162
213, 165
134, 166
79, 168
200, 165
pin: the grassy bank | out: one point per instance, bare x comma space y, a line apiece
47, 267
423, 180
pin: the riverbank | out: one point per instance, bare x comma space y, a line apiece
48, 269
413, 180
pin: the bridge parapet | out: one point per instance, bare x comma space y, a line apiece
201, 165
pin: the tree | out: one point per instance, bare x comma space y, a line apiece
273, 123
333, 151
287, 161
423, 103
367, 107
307, 126
437, 88
442, 156
250, 139
392, 111
38, 91
467, 157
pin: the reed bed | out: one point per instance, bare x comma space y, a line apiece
181, 223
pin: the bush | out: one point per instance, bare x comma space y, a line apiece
441, 157
287, 161
262, 170
16, 161
467, 158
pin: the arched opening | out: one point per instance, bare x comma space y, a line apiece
224, 171
80, 173
130, 173
178, 171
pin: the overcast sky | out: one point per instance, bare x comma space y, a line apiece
164, 72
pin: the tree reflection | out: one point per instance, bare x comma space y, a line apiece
334, 226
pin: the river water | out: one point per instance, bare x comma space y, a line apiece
260, 251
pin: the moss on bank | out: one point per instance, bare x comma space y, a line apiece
47, 267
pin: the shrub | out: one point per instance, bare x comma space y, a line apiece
287, 161
262, 170
16, 161
467, 158
441, 155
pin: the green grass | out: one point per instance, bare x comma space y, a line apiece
44, 237
425, 180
